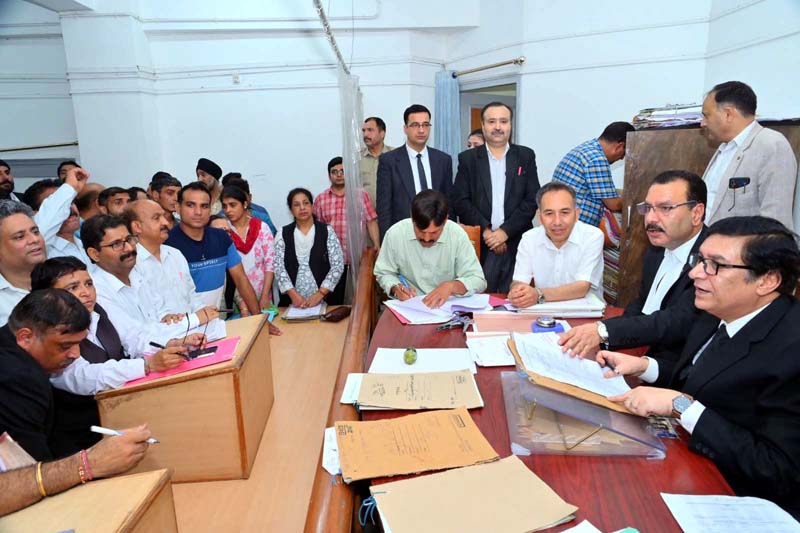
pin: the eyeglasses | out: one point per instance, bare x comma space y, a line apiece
710, 266
643, 207
337, 172
417, 125
118, 245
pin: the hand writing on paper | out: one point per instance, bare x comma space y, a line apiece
438, 296
581, 341
168, 358
646, 401
402, 293
621, 364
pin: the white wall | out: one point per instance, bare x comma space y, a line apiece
148, 85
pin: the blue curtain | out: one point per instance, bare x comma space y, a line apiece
447, 116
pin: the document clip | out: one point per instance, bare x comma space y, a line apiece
542, 420
200, 352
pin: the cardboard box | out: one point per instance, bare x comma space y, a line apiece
209, 420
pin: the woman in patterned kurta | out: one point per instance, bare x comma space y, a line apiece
254, 242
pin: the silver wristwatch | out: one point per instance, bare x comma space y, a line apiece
540, 293
602, 332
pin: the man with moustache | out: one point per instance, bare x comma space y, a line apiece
432, 253
374, 132
164, 191
55, 209
410, 169
64, 242
134, 308
209, 173
163, 268
21, 248
43, 337
563, 258
104, 362
495, 189
210, 252
674, 210
734, 388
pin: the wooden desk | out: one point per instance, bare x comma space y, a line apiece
611, 492
209, 420
275, 497
138, 503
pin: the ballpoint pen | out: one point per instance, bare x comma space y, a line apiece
115, 433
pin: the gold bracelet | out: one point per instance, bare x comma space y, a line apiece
39, 480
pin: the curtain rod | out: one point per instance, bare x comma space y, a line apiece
518, 61
37, 146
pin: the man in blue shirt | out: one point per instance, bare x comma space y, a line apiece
209, 251
587, 169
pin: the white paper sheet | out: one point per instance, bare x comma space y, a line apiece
583, 527
590, 306
541, 354
417, 312
330, 452
490, 350
309, 312
723, 514
351, 388
390, 361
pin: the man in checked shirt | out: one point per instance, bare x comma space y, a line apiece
329, 208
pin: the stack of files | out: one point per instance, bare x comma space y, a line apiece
668, 116
590, 306
391, 361
434, 390
296, 314
500, 496
431, 440
413, 311
541, 358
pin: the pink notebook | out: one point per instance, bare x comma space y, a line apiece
225, 350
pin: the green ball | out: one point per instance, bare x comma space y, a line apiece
410, 356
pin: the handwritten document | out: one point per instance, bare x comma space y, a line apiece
433, 390
490, 350
542, 355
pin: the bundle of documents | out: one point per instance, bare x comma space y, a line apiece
500, 496
391, 361
432, 440
722, 514
434, 390
296, 314
668, 116
490, 349
414, 311
590, 306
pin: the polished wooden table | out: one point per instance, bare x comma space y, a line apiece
611, 492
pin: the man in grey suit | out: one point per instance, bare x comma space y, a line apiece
406, 171
754, 170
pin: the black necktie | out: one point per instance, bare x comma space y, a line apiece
423, 181
719, 338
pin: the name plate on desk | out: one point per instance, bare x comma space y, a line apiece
209, 420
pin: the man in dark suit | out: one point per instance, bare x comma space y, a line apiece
674, 210
495, 189
735, 387
406, 171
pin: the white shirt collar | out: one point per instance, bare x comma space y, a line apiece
681, 253
739, 139
95, 319
505, 151
108, 279
5, 284
734, 326
413, 153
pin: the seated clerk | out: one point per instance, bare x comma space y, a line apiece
308, 257
103, 363
673, 211
735, 387
22, 487
433, 254
563, 257
123, 293
42, 337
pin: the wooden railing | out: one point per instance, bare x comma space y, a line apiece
331, 507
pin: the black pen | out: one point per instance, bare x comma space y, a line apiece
156, 345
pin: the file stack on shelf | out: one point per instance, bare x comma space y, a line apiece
670, 115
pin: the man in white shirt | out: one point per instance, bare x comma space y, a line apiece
21, 248
163, 267
754, 170
734, 387
133, 307
673, 212
563, 258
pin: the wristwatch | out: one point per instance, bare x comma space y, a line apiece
602, 332
680, 404
541, 298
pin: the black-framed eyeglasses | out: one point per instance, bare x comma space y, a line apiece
643, 207
118, 245
711, 267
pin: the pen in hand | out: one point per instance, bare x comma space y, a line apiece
115, 433
162, 347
